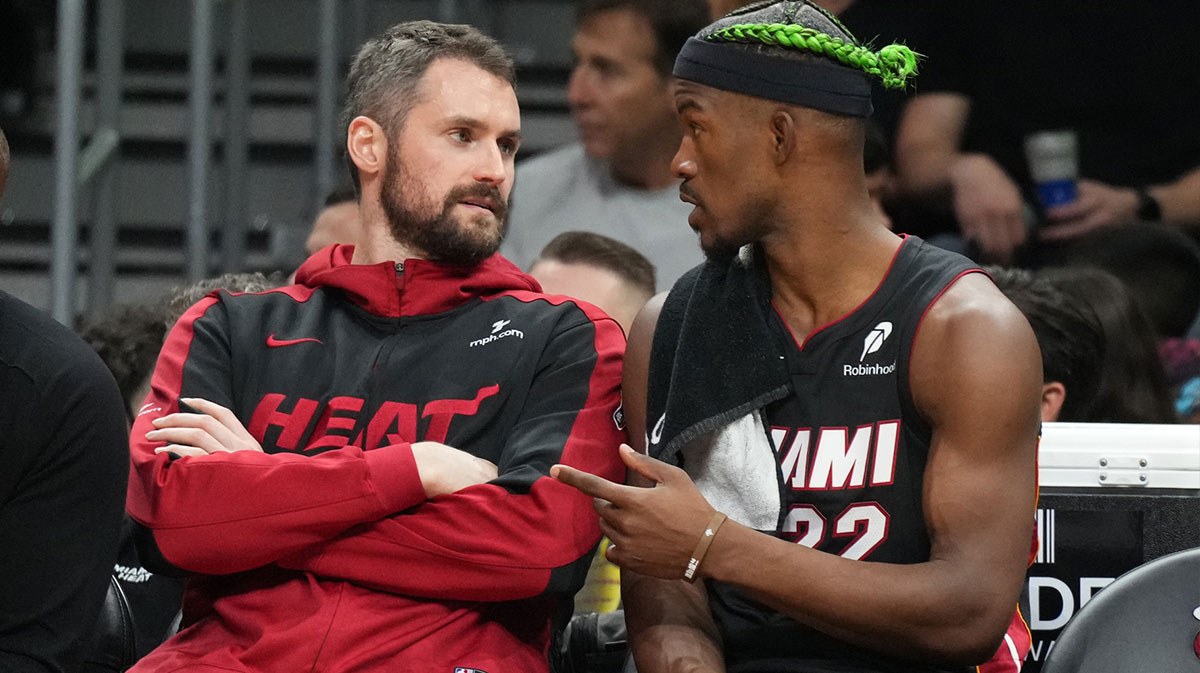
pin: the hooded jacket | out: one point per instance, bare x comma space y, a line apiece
322, 553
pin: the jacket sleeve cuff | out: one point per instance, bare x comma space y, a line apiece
395, 478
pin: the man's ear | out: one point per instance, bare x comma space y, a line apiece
1053, 396
783, 136
367, 145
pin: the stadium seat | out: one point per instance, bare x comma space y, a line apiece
1146, 620
111, 647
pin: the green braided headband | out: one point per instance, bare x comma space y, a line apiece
893, 64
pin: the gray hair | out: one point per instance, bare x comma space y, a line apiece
384, 77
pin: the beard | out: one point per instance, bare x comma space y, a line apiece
415, 221
720, 248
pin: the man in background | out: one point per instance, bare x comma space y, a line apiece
62, 485
599, 270
617, 181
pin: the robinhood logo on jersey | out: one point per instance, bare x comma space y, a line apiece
871, 344
497, 334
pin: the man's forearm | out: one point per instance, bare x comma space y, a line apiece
670, 627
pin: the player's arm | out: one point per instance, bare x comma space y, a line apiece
236, 510
524, 534
976, 373
669, 625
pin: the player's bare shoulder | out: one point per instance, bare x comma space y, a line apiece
973, 339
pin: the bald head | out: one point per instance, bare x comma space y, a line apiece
3, 161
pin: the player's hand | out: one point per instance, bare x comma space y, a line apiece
1099, 205
215, 429
445, 469
988, 206
654, 530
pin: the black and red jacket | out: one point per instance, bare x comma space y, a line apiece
322, 553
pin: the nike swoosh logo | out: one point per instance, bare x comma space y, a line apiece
276, 343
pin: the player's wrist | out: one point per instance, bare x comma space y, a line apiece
692, 571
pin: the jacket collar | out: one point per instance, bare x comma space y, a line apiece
423, 287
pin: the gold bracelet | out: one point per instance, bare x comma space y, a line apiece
710, 532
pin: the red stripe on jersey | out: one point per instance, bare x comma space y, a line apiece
886, 274
165, 386
921, 320
1010, 656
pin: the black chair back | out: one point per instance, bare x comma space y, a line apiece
1147, 620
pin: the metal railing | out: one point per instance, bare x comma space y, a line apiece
95, 168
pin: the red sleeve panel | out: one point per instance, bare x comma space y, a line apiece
523, 534
232, 512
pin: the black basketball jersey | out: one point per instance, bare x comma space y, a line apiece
851, 451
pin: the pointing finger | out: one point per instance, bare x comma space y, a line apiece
655, 470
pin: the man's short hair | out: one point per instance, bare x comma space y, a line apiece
671, 21
384, 76
1069, 335
584, 247
128, 339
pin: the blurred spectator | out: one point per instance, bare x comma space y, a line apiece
1162, 276
183, 298
1070, 337
599, 270
64, 445
1181, 360
618, 181
1132, 387
128, 338
66, 460
336, 223
998, 72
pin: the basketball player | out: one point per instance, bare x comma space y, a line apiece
842, 422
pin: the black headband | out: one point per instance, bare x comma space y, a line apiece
812, 83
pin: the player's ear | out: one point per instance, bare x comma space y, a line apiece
783, 136
1053, 396
366, 145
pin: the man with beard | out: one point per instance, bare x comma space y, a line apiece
842, 423
617, 180
352, 470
